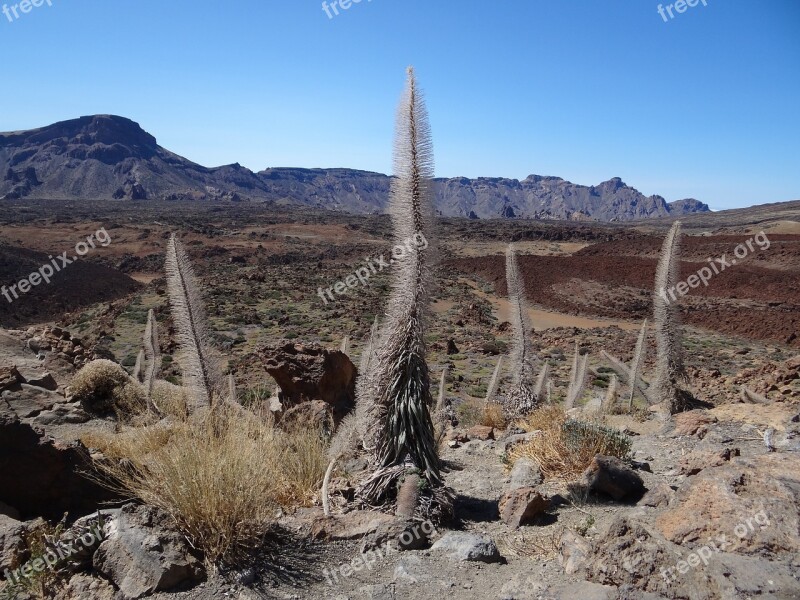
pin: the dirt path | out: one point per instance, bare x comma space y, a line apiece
545, 319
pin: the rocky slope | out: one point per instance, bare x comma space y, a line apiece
105, 156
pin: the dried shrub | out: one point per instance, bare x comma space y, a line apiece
564, 447
493, 416
101, 385
221, 476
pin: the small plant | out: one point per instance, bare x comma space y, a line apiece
584, 527
636, 364
564, 447
493, 416
103, 386
221, 477
578, 435
470, 412
631, 374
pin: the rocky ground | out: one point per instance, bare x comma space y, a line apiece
714, 503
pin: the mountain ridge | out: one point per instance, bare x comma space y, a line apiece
107, 156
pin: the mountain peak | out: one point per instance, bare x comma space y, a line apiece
108, 156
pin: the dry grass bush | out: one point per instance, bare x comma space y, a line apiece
221, 476
493, 416
101, 385
522, 543
130, 401
564, 448
172, 400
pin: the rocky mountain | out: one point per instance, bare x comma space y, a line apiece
106, 156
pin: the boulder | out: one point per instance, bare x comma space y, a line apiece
41, 380
658, 496
82, 587
42, 477
610, 476
468, 547
754, 503
693, 423
350, 526
400, 534
480, 432
143, 553
10, 379
12, 544
521, 506
700, 459
639, 560
30, 400
307, 372
62, 414
525, 473
574, 551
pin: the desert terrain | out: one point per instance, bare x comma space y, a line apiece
704, 474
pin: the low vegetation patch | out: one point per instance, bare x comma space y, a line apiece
103, 387
565, 447
493, 416
222, 476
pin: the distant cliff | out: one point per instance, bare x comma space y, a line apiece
105, 156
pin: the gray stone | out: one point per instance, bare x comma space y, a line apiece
505, 444
574, 552
30, 400
143, 553
526, 473
40, 380
468, 547
12, 546
400, 534
61, 415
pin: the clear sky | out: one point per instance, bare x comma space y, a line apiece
703, 105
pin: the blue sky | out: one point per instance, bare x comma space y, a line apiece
704, 105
